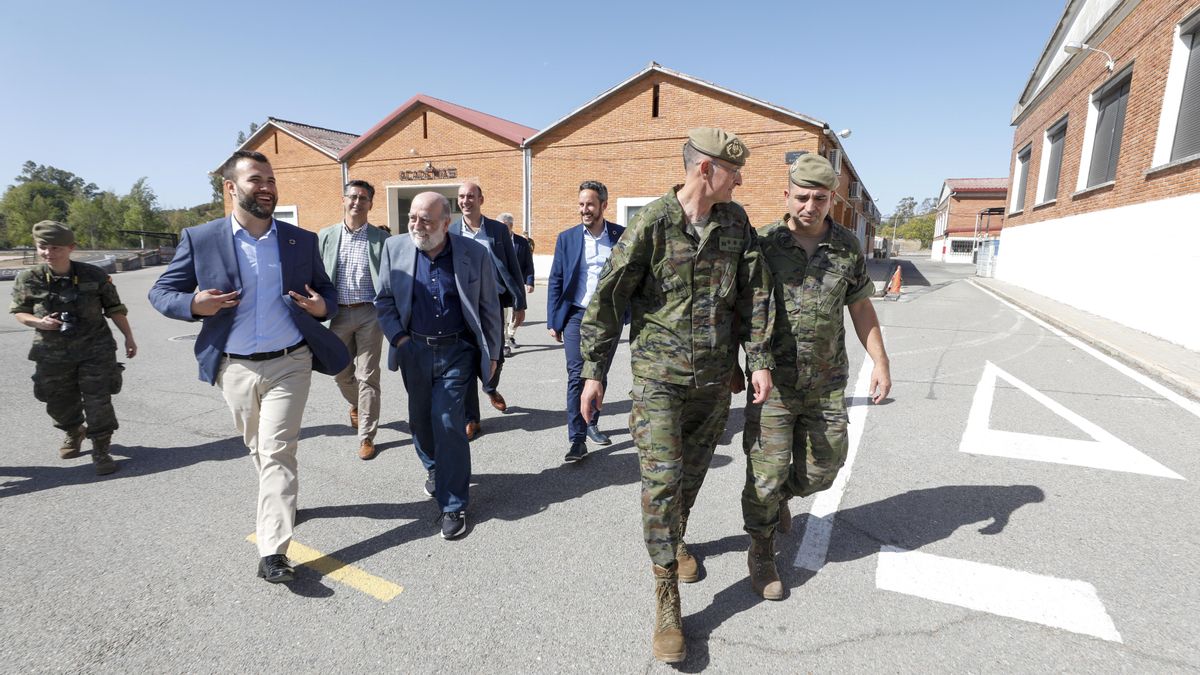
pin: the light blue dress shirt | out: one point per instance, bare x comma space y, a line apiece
262, 322
596, 251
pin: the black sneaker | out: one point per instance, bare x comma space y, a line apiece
454, 523
577, 452
596, 436
430, 486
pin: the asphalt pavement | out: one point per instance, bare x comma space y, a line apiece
1022, 502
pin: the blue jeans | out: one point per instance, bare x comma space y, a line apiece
437, 379
576, 425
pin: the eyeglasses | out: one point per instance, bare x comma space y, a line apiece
735, 170
357, 198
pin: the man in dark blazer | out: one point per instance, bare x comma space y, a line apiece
440, 312
262, 296
495, 237
524, 250
350, 251
579, 256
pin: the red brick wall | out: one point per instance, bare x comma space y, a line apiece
963, 211
492, 162
620, 144
305, 177
1145, 38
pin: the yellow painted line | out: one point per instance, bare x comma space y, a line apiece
380, 589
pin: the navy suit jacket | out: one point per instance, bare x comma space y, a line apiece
205, 258
504, 259
473, 277
564, 272
524, 258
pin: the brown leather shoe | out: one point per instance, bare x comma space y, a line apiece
366, 449
472, 430
497, 401
354, 417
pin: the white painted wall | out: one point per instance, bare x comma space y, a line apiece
1138, 265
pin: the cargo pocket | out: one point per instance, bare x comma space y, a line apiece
39, 390
116, 379
833, 291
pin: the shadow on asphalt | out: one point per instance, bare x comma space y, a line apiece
132, 461
909, 521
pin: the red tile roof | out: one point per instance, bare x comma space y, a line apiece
509, 131
328, 140
977, 184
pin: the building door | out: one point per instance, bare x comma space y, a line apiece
400, 201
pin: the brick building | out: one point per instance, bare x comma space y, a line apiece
1105, 185
629, 137
969, 211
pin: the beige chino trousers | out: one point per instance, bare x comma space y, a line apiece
267, 400
358, 328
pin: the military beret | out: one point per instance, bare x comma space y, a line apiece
720, 144
53, 233
811, 170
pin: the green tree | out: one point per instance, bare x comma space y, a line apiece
40, 173
96, 220
28, 203
920, 228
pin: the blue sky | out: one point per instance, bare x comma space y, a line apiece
113, 92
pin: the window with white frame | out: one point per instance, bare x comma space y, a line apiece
1021, 171
1051, 169
1179, 124
288, 214
1108, 112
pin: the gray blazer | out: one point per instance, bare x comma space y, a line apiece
473, 276
330, 238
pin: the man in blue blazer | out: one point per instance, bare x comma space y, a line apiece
495, 237
440, 312
350, 251
579, 256
262, 296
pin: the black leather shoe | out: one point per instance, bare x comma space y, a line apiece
276, 569
596, 436
577, 452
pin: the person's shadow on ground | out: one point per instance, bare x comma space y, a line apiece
132, 461
908, 521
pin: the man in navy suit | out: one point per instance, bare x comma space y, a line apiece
524, 252
263, 293
579, 256
495, 237
440, 312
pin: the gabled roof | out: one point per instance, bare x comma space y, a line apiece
977, 184
326, 141
654, 67
509, 131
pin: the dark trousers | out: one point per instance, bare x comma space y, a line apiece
489, 386
437, 380
576, 425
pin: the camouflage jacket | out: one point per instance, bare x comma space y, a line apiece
683, 296
87, 292
809, 340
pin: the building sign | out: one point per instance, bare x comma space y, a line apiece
789, 157
429, 174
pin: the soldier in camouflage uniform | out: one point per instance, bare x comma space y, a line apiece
795, 442
686, 267
77, 371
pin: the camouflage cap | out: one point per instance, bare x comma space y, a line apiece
53, 233
720, 144
811, 171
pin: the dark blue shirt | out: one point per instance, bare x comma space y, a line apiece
436, 307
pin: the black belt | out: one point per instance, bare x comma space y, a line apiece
439, 340
267, 356
355, 304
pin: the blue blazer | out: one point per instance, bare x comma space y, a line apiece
205, 258
504, 259
564, 272
473, 277
524, 258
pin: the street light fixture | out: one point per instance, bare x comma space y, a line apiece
1075, 47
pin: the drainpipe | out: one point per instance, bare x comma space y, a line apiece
345, 173
527, 189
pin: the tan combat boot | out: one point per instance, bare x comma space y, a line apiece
72, 442
103, 461
764, 578
685, 562
785, 518
668, 642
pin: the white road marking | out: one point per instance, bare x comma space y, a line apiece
819, 528
1181, 401
1060, 603
1105, 451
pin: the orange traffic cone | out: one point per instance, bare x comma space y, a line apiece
894, 284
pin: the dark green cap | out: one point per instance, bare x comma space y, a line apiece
53, 233
720, 144
811, 171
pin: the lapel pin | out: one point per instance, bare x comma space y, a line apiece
292, 242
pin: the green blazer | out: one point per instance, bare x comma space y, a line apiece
329, 238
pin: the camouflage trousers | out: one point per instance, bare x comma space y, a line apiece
80, 391
795, 445
676, 428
